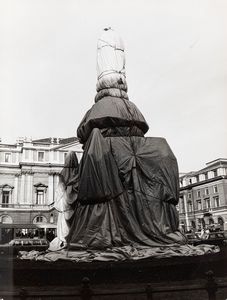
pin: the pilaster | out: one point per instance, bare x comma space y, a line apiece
51, 188
56, 181
186, 211
15, 191
22, 194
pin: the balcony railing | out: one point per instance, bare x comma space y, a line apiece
204, 210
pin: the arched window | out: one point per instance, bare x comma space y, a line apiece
5, 219
6, 195
220, 221
39, 219
211, 221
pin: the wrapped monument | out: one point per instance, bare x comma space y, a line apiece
120, 202
128, 186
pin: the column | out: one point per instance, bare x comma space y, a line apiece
27, 185
51, 158
11, 197
50, 188
56, 181
22, 200
17, 158
186, 211
15, 190
29, 180
31, 187
30, 155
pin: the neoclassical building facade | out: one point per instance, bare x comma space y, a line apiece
203, 196
29, 175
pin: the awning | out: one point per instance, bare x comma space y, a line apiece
46, 225
28, 226
19, 226
208, 214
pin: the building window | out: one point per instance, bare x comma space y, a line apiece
208, 203
6, 219
189, 195
39, 219
40, 197
198, 194
204, 204
199, 205
40, 155
206, 191
40, 193
220, 221
189, 206
201, 177
7, 157
199, 222
215, 189
6, 195
215, 173
5, 198
211, 221
216, 201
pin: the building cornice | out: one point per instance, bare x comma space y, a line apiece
32, 164
190, 186
9, 166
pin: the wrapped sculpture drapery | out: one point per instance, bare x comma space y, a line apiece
127, 193
128, 183
66, 196
122, 198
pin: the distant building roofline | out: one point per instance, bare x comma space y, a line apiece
216, 161
54, 140
42, 141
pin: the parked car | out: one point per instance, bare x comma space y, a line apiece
213, 238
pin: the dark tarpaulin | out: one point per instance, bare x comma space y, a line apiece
128, 188
127, 193
111, 112
99, 179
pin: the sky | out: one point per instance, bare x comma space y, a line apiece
176, 68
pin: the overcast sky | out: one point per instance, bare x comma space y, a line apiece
176, 64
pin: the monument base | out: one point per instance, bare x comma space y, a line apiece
166, 278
